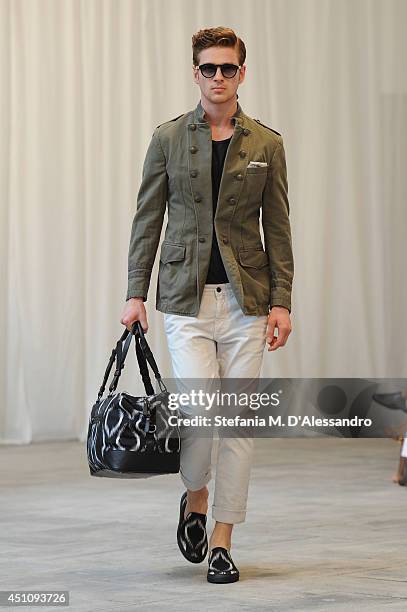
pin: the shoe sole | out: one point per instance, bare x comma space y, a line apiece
184, 553
222, 579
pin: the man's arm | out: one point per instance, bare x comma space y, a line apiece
277, 231
148, 220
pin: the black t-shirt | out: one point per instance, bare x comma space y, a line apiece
216, 271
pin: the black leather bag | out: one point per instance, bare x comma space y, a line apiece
133, 437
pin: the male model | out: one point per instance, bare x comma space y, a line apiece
222, 293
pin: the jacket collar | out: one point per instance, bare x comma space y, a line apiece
237, 117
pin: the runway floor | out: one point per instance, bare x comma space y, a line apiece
325, 531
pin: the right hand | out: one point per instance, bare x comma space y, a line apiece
134, 310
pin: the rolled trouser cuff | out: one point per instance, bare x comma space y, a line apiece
228, 516
196, 485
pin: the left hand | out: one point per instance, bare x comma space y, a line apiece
279, 318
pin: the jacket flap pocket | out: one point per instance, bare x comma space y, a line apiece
253, 258
172, 252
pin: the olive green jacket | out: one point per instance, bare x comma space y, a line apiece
177, 172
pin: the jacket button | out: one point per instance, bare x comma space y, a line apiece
232, 200
194, 173
242, 153
193, 149
192, 126
239, 177
198, 199
225, 240
246, 132
201, 239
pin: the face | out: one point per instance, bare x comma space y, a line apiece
227, 88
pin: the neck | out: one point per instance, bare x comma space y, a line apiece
219, 115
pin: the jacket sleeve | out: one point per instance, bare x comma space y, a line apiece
148, 220
277, 231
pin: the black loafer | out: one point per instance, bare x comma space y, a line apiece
221, 568
191, 533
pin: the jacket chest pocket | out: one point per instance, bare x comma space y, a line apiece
256, 181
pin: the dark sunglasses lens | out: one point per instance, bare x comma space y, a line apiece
208, 70
229, 70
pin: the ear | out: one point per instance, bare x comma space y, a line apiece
195, 74
242, 73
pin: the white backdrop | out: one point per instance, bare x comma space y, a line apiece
84, 83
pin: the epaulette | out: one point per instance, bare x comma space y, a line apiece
266, 126
169, 120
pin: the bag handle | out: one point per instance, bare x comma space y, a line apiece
144, 355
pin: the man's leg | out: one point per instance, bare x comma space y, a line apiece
193, 357
241, 341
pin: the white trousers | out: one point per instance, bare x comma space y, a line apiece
220, 342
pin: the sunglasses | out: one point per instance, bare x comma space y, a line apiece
209, 70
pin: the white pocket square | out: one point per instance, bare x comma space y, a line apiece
256, 164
